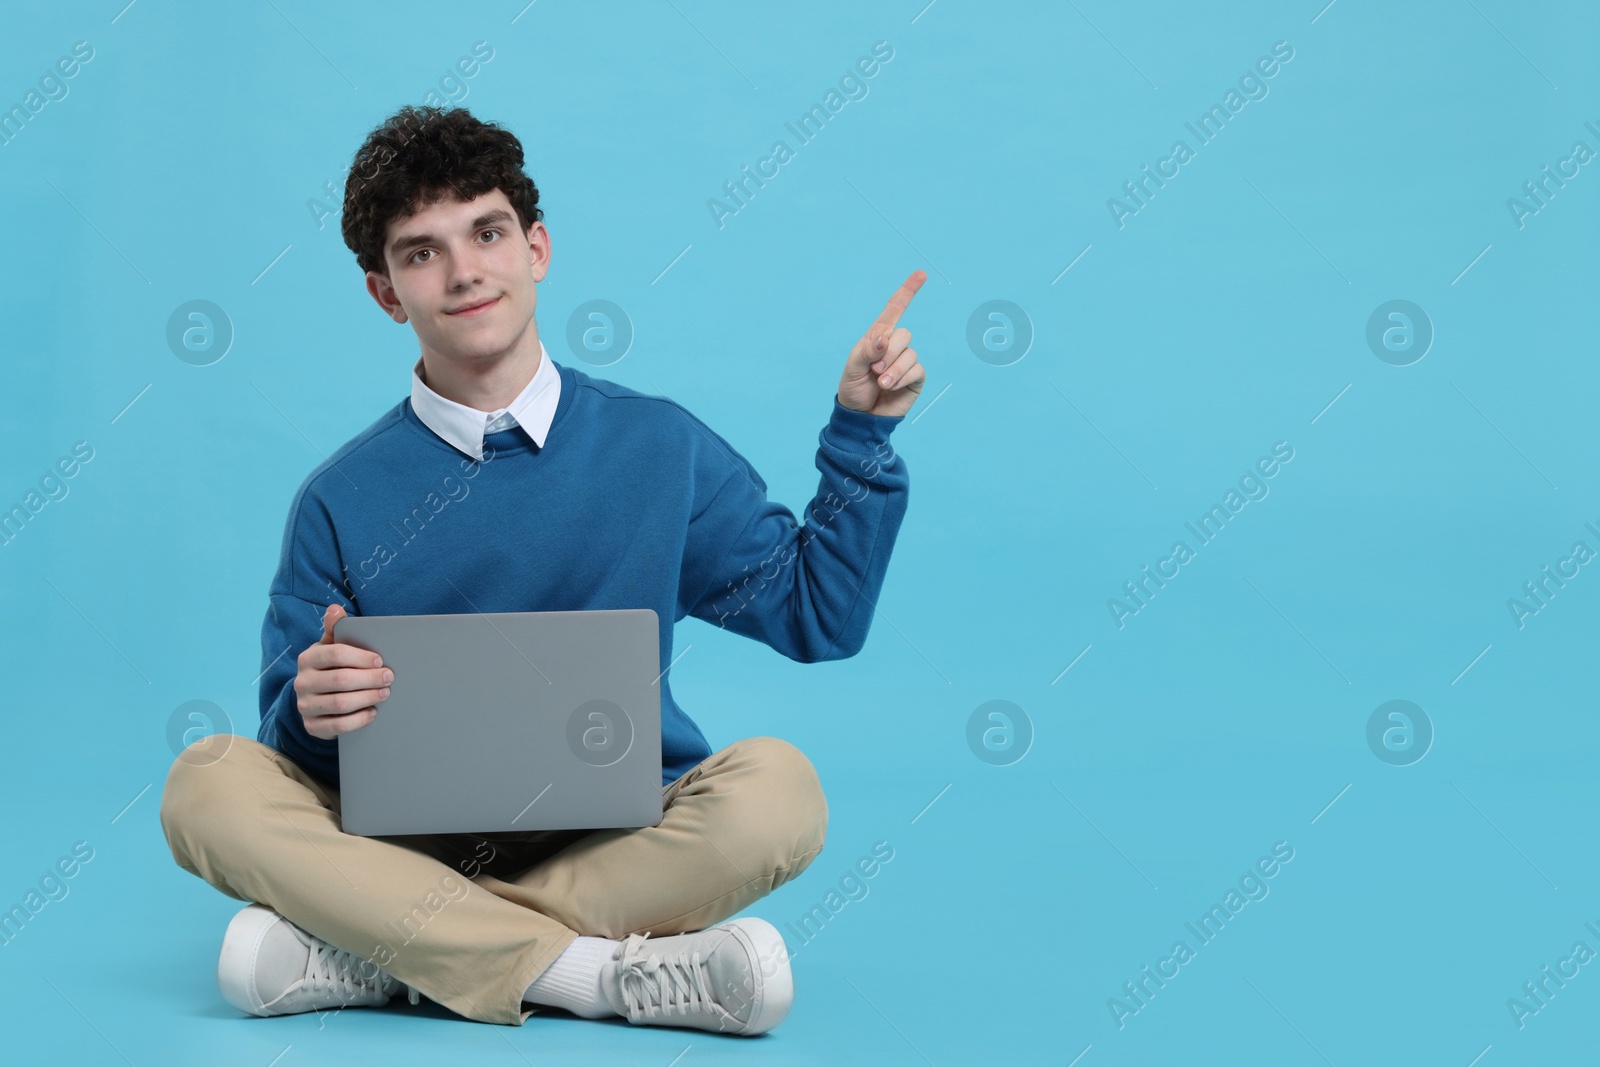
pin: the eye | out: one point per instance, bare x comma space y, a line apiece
495, 232
419, 252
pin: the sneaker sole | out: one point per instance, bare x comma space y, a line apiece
241, 944
775, 992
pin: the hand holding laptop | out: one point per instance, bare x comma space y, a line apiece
338, 687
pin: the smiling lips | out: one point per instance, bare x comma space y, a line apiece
475, 309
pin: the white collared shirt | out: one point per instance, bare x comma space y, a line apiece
465, 427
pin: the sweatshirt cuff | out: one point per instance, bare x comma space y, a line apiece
858, 431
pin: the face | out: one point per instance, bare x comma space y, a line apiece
462, 273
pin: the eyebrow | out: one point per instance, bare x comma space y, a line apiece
405, 244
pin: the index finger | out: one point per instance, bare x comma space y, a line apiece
323, 657
897, 304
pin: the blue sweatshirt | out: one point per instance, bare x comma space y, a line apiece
631, 503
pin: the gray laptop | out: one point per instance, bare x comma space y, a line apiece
529, 720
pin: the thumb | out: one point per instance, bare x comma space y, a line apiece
333, 614
869, 350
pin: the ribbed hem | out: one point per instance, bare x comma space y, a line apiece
849, 430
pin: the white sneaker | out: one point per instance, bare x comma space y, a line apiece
269, 966
732, 978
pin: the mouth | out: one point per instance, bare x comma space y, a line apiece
474, 309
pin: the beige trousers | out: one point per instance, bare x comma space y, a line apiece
470, 920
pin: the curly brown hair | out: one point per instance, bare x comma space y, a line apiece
418, 156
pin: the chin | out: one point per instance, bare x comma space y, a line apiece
481, 348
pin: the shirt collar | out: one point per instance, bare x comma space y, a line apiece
462, 426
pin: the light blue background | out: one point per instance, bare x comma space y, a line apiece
1223, 317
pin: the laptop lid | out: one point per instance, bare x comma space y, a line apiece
505, 721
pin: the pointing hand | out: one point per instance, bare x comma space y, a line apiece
882, 375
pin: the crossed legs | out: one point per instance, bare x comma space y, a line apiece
472, 920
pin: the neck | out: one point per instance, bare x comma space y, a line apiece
487, 385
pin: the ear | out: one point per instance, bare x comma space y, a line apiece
539, 250
383, 292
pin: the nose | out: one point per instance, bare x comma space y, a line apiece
465, 272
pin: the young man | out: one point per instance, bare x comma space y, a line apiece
507, 482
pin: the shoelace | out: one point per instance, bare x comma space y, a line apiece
662, 983
337, 971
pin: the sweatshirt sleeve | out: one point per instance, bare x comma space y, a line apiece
809, 590
309, 562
